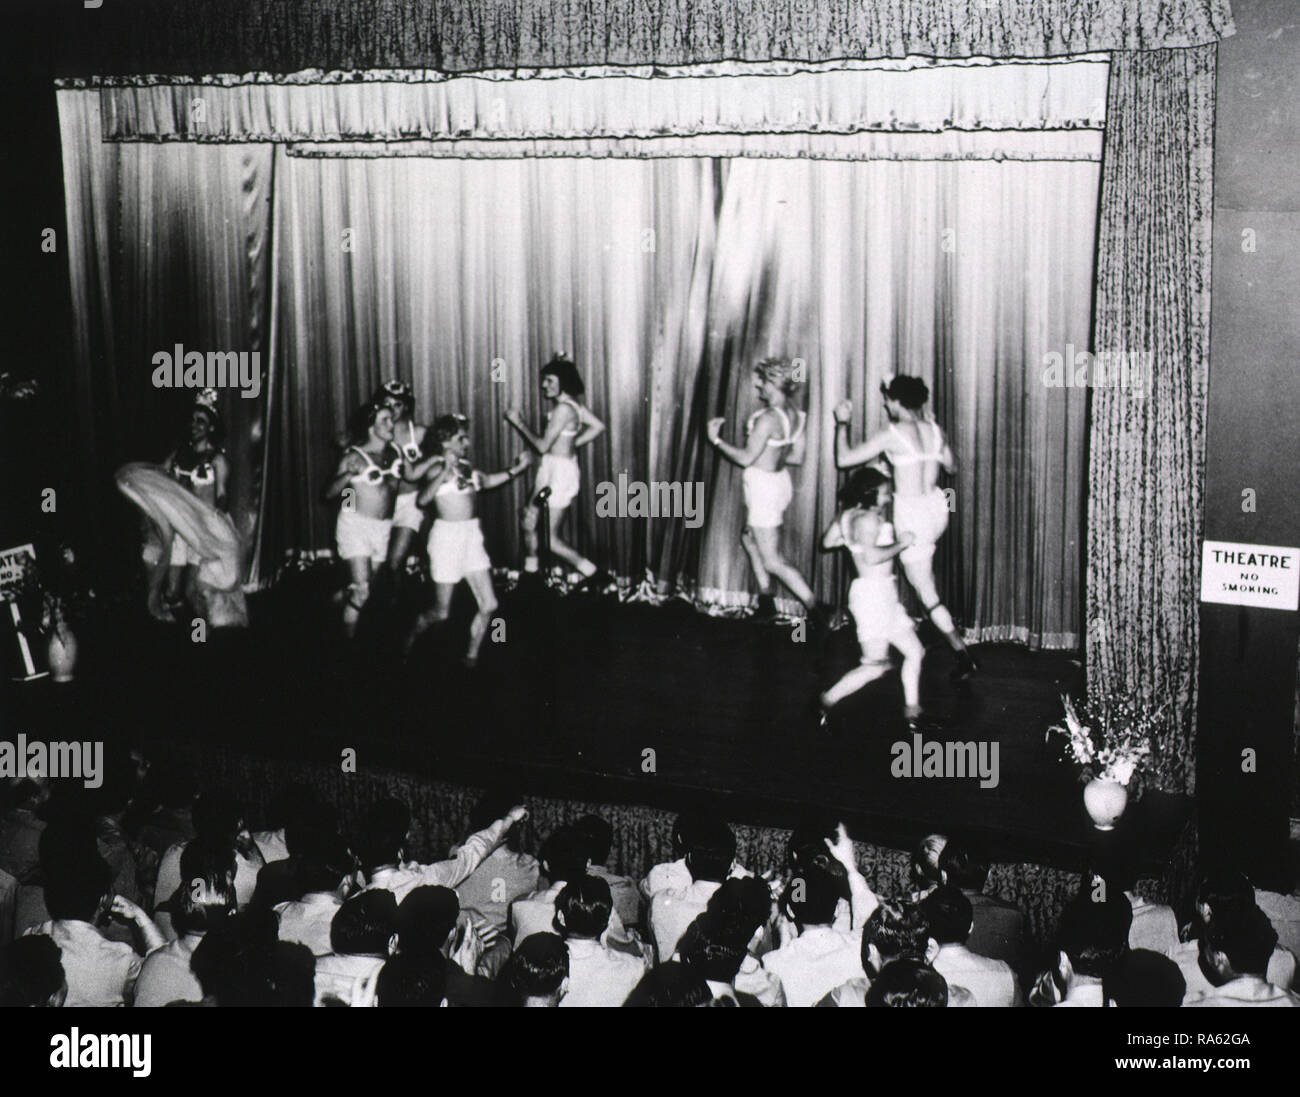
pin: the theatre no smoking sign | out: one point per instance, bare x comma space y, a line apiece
1250, 575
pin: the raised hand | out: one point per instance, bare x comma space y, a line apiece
842, 848
843, 411
714, 430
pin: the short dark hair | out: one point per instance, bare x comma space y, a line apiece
293, 975
709, 947
948, 913
446, 427
742, 905
810, 898
962, 866
898, 930
323, 863
31, 971
566, 373
908, 984
564, 854
599, 835
1145, 978
365, 924
711, 847
537, 967
670, 985
911, 392
1243, 934
407, 980
383, 833
211, 864
363, 419
235, 962
1094, 935
425, 918
585, 904
863, 488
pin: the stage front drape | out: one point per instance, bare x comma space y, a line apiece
666, 280
204, 36
1147, 446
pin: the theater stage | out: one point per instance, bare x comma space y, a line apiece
587, 698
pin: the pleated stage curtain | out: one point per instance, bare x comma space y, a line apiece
1147, 448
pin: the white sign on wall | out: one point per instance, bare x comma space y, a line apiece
1250, 575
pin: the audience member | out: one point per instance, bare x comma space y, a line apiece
948, 913
998, 930
598, 974
537, 974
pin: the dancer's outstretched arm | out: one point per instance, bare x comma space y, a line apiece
414, 473
542, 443
847, 456
754, 445
489, 480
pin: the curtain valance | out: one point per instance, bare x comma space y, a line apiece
920, 97
202, 36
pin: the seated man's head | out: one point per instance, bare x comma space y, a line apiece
712, 948
582, 908
365, 925
948, 913
293, 975
811, 897
925, 861
410, 980
235, 962
537, 973
744, 906
807, 843
31, 973
710, 849
1145, 978
426, 919
599, 835
896, 931
324, 865
908, 984
1092, 937
384, 833
206, 896
1239, 941
962, 867
218, 818
1220, 890
564, 855
671, 986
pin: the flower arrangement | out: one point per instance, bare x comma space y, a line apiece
56, 598
1111, 740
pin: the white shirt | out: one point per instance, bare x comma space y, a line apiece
307, 921
1154, 926
991, 981
353, 980
166, 976
675, 875
599, 976
1281, 970
1088, 995
448, 873
815, 963
1284, 913
753, 978
272, 845
536, 914
623, 890
99, 972
672, 910
1246, 990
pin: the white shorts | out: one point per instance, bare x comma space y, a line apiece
562, 476
456, 550
925, 517
406, 515
877, 612
358, 536
767, 494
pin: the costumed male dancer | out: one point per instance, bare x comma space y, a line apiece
408, 436
774, 439
456, 549
862, 527
570, 425
916, 450
366, 481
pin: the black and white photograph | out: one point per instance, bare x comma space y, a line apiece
651, 503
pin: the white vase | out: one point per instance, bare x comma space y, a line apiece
1105, 801
62, 652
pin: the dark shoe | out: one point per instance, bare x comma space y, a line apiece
966, 666
764, 610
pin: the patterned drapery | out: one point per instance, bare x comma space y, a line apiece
1148, 440
204, 36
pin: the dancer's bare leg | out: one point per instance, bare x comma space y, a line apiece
769, 549
920, 577
434, 615
399, 548
358, 593
913, 653
567, 552
756, 560
875, 664
480, 583
156, 575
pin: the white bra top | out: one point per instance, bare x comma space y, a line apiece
374, 473
885, 538
912, 455
565, 398
411, 448
466, 481
787, 438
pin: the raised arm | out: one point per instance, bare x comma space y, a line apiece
848, 456
754, 445
221, 473
349, 466
414, 473
833, 538
799, 447
490, 480
862, 900
542, 443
